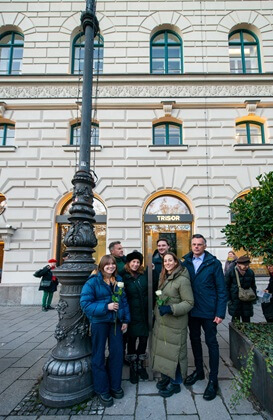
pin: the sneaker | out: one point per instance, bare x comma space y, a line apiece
44, 309
106, 399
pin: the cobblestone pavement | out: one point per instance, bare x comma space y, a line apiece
26, 339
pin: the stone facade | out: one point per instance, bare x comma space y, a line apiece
208, 171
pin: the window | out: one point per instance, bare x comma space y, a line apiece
167, 134
7, 132
166, 53
78, 54
250, 132
76, 134
11, 53
244, 52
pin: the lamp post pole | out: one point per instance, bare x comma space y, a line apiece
67, 376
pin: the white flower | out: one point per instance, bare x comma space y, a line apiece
158, 292
120, 284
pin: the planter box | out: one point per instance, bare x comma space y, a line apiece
262, 382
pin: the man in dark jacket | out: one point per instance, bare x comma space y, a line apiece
162, 247
116, 250
210, 298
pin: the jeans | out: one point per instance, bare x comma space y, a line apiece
108, 376
47, 299
210, 330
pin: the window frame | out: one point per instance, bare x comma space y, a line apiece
242, 44
5, 130
78, 124
166, 44
99, 44
11, 47
167, 132
248, 133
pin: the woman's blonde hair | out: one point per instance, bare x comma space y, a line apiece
163, 273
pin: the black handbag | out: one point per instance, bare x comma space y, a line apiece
45, 283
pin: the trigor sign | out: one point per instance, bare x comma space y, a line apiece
169, 218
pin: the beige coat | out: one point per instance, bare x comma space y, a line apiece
169, 342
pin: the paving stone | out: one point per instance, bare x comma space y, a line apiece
9, 376
245, 406
11, 397
150, 407
21, 350
6, 363
80, 417
178, 417
22, 418
199, 386
126, 405
148, 387
29, 359
258, 417
181, 403
36, 370
56, 417
106, 417
211, 410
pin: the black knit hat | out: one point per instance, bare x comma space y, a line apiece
135, 255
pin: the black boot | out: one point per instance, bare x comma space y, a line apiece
132, 359
141, 370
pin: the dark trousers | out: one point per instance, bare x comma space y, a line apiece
142, 345
210, 330
244, 318
106, 376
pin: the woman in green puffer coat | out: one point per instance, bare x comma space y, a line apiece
169, 343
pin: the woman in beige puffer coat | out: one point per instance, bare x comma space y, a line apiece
169, 342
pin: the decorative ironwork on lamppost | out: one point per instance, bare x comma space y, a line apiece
67, 376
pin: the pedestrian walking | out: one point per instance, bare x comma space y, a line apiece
169, 341
136, 288
240, 275
230, 262
48, 283
104, 302
268, 307
210, 298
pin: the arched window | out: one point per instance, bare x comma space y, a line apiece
168, 133
11, 52
250, 132
7, 133
166, 53
75, 135
244, 52
78, 54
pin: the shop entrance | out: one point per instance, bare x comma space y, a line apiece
168, 217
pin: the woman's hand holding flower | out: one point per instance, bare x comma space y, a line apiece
113, 306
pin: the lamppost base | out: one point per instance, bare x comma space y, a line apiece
66, 383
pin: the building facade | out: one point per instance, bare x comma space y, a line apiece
182, 123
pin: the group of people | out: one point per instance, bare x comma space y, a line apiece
191, 294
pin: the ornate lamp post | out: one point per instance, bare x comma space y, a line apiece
67, 376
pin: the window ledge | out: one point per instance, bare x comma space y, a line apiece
253, 146
8, 148
168, 148
73, 148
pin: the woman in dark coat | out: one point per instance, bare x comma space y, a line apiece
237, 308
268, 307
47, 275
136, 288
230, 262
104, 302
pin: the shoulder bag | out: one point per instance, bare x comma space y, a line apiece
245, 295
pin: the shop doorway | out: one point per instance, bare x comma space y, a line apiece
168, 216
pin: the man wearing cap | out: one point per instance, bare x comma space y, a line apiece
237, 308
116, 249
48, 283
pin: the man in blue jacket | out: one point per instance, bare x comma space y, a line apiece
209, 310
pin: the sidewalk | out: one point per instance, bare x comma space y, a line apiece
26, 338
